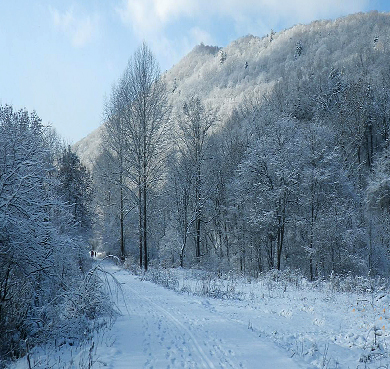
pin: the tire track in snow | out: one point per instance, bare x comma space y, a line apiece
206, 361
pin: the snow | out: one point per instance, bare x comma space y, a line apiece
236, 322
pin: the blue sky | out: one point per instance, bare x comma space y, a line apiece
62, 57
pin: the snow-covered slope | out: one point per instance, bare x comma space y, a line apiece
251, 66
88, 148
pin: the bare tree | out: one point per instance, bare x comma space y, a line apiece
137, 117
114, 151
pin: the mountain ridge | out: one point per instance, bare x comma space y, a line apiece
223, 77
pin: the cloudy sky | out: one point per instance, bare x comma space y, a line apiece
62, 57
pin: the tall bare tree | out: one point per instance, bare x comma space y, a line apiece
113, 155
138, 114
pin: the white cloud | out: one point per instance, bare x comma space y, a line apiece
309, 10
80, 30
148, 15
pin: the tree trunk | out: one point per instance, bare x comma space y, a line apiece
144, 228
311, 245
183, 246
280, 244
122, 226
198, 238
144, 184
198, 212
226, 238
140, 224
122, 215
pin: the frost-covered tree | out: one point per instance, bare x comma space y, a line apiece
76, 188
227, 150
112, 203
43, 259
267, 184
112, 168
378, 206
194, 123
137, 117
180, 187
327, 211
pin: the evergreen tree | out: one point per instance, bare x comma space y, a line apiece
76, 188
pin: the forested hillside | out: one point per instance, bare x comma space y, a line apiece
269, 153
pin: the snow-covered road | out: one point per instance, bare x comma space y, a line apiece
160, 328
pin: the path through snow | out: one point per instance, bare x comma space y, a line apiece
160, 328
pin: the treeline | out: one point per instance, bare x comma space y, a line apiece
294, 178
48, 292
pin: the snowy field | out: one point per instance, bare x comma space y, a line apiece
189, 319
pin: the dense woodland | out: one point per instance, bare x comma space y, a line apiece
290, 171
49, 290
